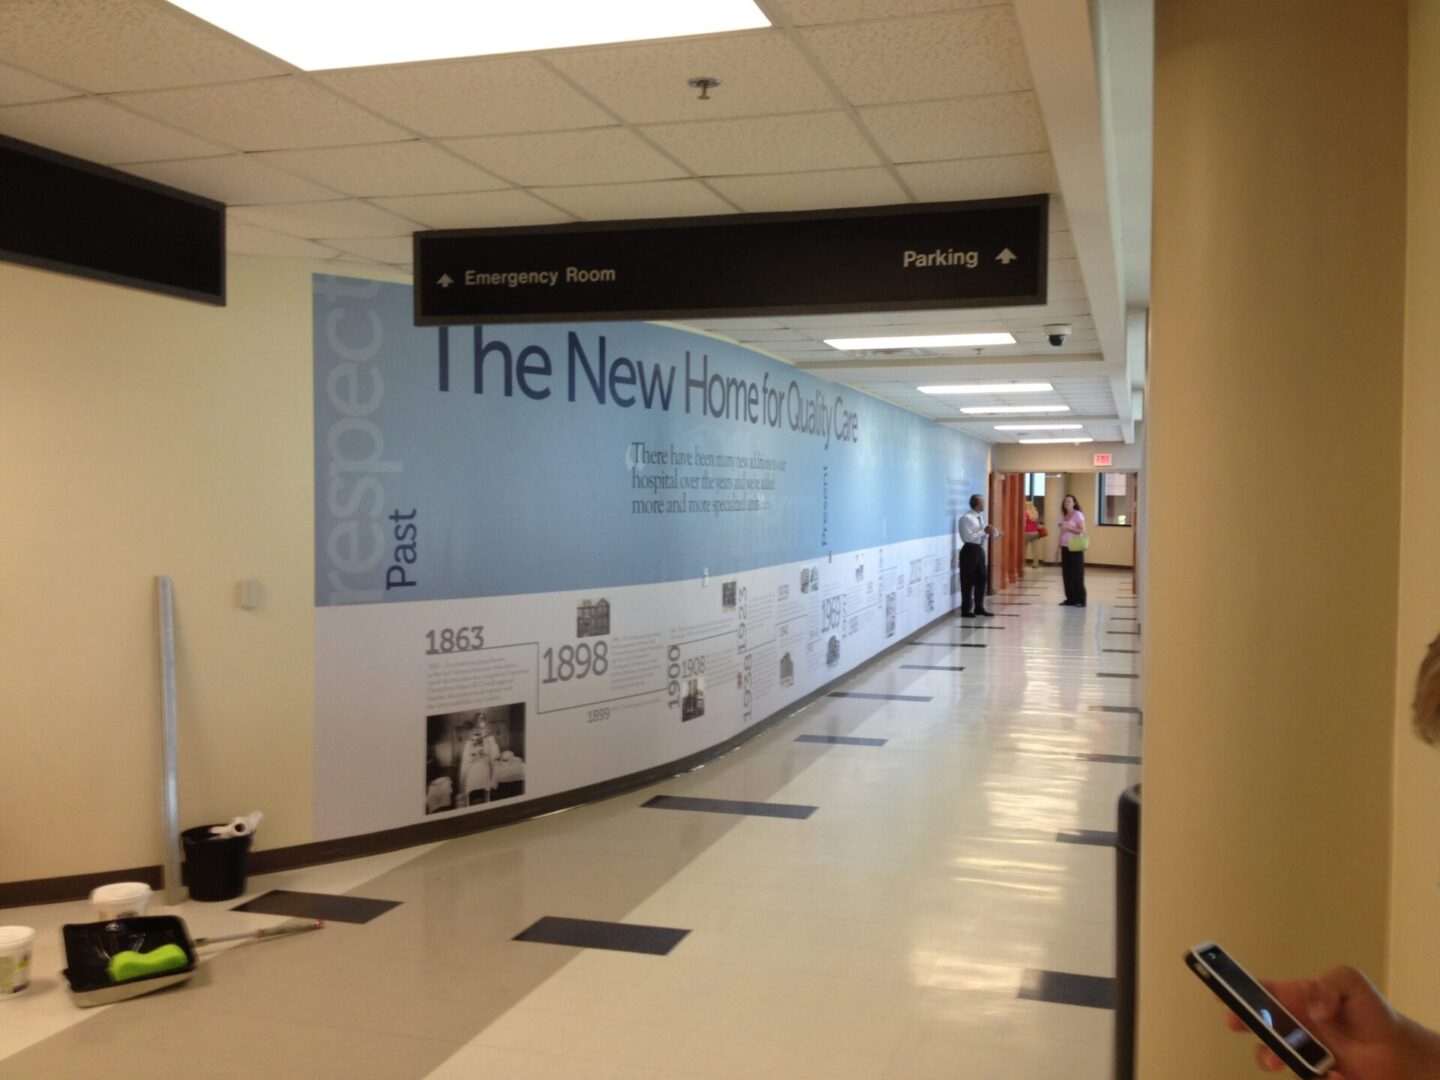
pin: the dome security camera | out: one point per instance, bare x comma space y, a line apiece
1057, 333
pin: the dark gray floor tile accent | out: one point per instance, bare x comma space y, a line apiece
1115, 675
327, 906
1131, 651
1122, 618
1091, 837
1066, 988
841, 740
931, 667
951, 644
593, 934
730, 806
1124, 633
879, 697
1110, 759
980, 624
1133, 709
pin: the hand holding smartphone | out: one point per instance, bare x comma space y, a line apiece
1259, 1011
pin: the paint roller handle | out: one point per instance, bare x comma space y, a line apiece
283, 930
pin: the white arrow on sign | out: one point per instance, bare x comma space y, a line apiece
446, 281
1007, 257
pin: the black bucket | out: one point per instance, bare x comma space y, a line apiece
215, 866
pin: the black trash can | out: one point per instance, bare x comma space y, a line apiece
1127, 893
215, 866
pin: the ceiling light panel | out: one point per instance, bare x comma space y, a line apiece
1012, 410
989, 388
1038, 427
1037, 442
319, 35
923, 341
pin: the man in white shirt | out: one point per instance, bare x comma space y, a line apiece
974, 575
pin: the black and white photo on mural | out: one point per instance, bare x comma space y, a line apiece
473, 757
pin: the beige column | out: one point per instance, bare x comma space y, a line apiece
1271, 601
1415, 898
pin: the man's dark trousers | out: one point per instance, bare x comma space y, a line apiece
973, 578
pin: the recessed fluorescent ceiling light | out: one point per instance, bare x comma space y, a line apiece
989, 388
999, 410
319, 34
920, 341
1038, 427
1033, 442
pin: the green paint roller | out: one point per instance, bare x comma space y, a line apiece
135, 965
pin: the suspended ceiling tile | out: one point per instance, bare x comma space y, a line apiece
397, 168
243, 239
1059, 220
96, 130
811, 12
656, 198
475, 210
1067, 290
802, 142
20, 87
343, 218
611, 155
772, 336
235, 179
924, 321
812, 190
1064, 270
728, 326
840, 325
267, 114
386, 249
111, 45
1062, 245
980, 178
760, 73
472, 97
952, 54
987, 126
1066, 307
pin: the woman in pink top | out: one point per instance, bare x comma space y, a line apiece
1072, 563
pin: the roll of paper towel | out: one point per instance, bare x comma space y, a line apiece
239, 826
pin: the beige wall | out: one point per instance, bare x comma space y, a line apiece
142, 435
1415, 901
1055, 457
1110, 545
1276, 350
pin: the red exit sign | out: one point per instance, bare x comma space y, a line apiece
1102, 461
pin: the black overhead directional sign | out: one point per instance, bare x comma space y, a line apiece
932, 255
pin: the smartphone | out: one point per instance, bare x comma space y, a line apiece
1259, 1011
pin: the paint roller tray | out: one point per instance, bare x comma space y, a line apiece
89, 947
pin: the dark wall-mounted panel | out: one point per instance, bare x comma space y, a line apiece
61, 213
988, 253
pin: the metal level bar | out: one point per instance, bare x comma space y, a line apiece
169, 785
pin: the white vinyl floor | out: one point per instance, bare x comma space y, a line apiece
913, 926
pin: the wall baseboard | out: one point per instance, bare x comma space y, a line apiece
77, 886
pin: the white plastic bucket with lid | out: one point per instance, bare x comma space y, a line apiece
16, 944
120, 900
